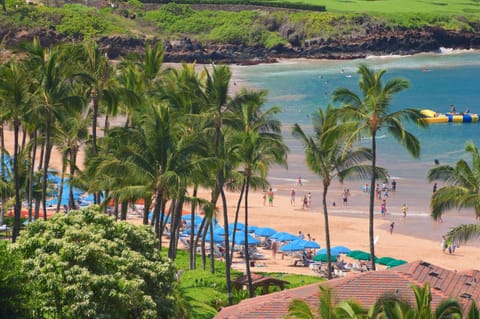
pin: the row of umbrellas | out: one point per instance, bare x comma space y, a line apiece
294, 243
359, 255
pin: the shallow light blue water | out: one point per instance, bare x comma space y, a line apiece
437, 80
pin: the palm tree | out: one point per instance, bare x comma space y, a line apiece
391, 307
328, 309
56, 93
327, 157
463, 184
259, 144
14, 93
369, 113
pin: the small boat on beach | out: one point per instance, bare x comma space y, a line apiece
435, 117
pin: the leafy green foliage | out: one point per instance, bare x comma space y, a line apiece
86, 265
13, 284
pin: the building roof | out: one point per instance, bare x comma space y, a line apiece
365, 288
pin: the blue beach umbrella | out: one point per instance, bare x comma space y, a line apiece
216, 238
282, 236
311, 244
341, 249
240, 239
265, 232
239, 226
252, 228
292, 246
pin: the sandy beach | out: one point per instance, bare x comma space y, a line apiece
413, 238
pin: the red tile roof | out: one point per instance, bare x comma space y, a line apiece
365, 288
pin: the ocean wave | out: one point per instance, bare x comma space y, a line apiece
443, 50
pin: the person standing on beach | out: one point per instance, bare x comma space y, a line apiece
345, 194
292, 197
309, 199
404, 210
391, 227
274, 248
270, 197
394, 185
299, 181
383, 208
264, 197
435, 185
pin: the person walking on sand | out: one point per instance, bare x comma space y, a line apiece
435, 185
345, 194
391, 227
305, 202
270, 197
394, 185
404, 210
264, 197
309, 199
292, 197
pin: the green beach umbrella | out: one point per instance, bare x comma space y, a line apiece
362, 256
323, 257
384, 260
396, 262
354, 253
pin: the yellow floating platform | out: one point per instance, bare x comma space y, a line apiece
434, 117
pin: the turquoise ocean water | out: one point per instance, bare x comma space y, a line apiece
299, 87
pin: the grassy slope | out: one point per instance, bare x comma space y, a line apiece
449, 7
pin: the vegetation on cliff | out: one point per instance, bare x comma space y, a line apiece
242, 24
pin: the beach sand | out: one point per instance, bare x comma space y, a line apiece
413, 238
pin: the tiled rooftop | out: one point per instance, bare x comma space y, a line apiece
365, 288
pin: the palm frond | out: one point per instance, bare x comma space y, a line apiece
464, 232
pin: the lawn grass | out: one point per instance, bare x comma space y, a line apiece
453, 7
206, 292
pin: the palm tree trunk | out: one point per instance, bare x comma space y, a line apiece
192, 231
242, 191
31, 173
94, 123
247, 255
18, 203
45, 166
372, 203
226, 242
327, 230
123, 212
147, 202
73, 166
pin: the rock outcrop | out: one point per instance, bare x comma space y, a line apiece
375, 41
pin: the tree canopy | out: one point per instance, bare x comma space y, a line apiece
86, 265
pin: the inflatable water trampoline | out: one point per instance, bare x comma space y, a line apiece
435, 117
